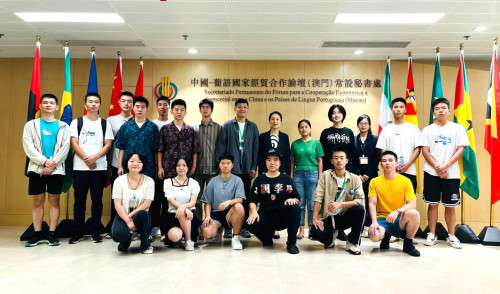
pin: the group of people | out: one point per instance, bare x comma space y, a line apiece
185, 180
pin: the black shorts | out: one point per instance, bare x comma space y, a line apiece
51, 184
441, 190
220, 217
413, 180
171, 222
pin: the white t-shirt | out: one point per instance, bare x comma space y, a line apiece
443, 143
341, 186
91, 141
116, 121
402, 140
160, 124
180, 194
146, 191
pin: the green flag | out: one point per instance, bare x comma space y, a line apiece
437, 88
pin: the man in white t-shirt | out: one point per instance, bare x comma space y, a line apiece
443, 144
116, 121
402, 138
163, 107
91, 139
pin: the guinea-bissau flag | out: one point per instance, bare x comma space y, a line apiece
411, 107
384, 117
67, 116
437, 88
35, 92
139, 88
492, 131
114, 107
469, 182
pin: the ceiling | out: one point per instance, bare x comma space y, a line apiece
250, 29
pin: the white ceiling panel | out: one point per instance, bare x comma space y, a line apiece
172, 18
170, 7
178, 36
273, 7
101, 35
187, 44
278, 36
11, 26
484, 36
185, 51
181, 28
371, 37
398, 7
388, 28
10, 17
23, 42
28, 35
484, 18
462, 28
197, 56
278, 28
277, 44
57, 6
456, 44
478, 6
275, 50
78, 27
281, 18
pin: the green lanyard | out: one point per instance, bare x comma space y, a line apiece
242, 134
338, 192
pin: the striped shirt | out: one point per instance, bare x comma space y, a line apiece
207, 136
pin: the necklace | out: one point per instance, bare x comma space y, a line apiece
134, 190
181, 185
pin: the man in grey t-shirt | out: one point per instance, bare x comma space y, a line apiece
223, 199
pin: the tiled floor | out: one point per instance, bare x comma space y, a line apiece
216, 268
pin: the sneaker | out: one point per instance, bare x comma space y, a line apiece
35, 240
332, 244
292, 249
352, 248
431, 239
276, 235
162, 238
365, 233
384, 244
52, 240
75, 239
394, 239
228, 233
341, 235
135, 236
453, 241
245, 234
108, 236
189, 246
235, 242
151, 238
409, 248
96, 238
148, 251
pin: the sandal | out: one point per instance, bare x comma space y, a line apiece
148, 251
276, 235
300, 236
353, 249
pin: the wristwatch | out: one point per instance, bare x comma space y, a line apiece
399, 210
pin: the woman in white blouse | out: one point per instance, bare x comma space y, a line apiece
133, 193
181, 192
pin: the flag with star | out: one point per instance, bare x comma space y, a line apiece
469, 182
67, 116
411, 107
114, 108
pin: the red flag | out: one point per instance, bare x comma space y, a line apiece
492, 130
114, 108
35, 88
139, 88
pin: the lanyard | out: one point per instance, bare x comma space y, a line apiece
242, 134
339, 192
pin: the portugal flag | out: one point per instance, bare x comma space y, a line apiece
139, 88
492, 131
35, 88
384, 117
469, 182
411, 106
114, 108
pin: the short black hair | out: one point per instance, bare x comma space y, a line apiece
241, 100
127, 93
440, 100
362, 117
276, 112
339, 149
388, 152
206, 101
92, 94
398, 99
142, 158
48, 96
226, 156
141, 99
304, 120
178, 102
341, 109
186, 159
164, 98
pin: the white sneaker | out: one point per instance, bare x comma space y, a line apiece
453, 241
189, 246
394, 239
352, 248
365, 233
235, 242
431, 239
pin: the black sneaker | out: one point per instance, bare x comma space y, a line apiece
35, 240
292, 249
52, 240
384, 244
409, 248
228, 233
75, 239
96, 238
341, 235
245, 234
123, 246
332, 244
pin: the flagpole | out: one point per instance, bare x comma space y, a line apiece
461, 191
492, 208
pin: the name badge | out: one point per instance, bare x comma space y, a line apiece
363, 160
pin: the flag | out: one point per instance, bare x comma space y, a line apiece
67, 116
411, 106
437, 88
139, 88
492, 131
35, 93
469, 182
92, 85
385, 103
114, 108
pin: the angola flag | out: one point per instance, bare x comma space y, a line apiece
469, 181
411, 107
114, 108
35, 93
492, 131
67, 116
437, 88
139, 88
384, 117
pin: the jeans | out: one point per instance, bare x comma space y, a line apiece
305, 182
82, 182
121, 232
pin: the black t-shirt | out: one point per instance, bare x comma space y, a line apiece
271, 193
333, 137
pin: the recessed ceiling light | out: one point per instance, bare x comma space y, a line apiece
70, 17
479, 29
388, 18
193, 51
359, 52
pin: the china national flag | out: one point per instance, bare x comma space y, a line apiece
385, 103
411, 107
139, 88
492, 131
114, 108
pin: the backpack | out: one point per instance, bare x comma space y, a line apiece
79, 126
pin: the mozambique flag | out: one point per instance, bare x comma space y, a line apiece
114, 108
92, 85
437, 88
35, 93
384, 117
411, 107
492, 131
469, 182
139, 88
67, 116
